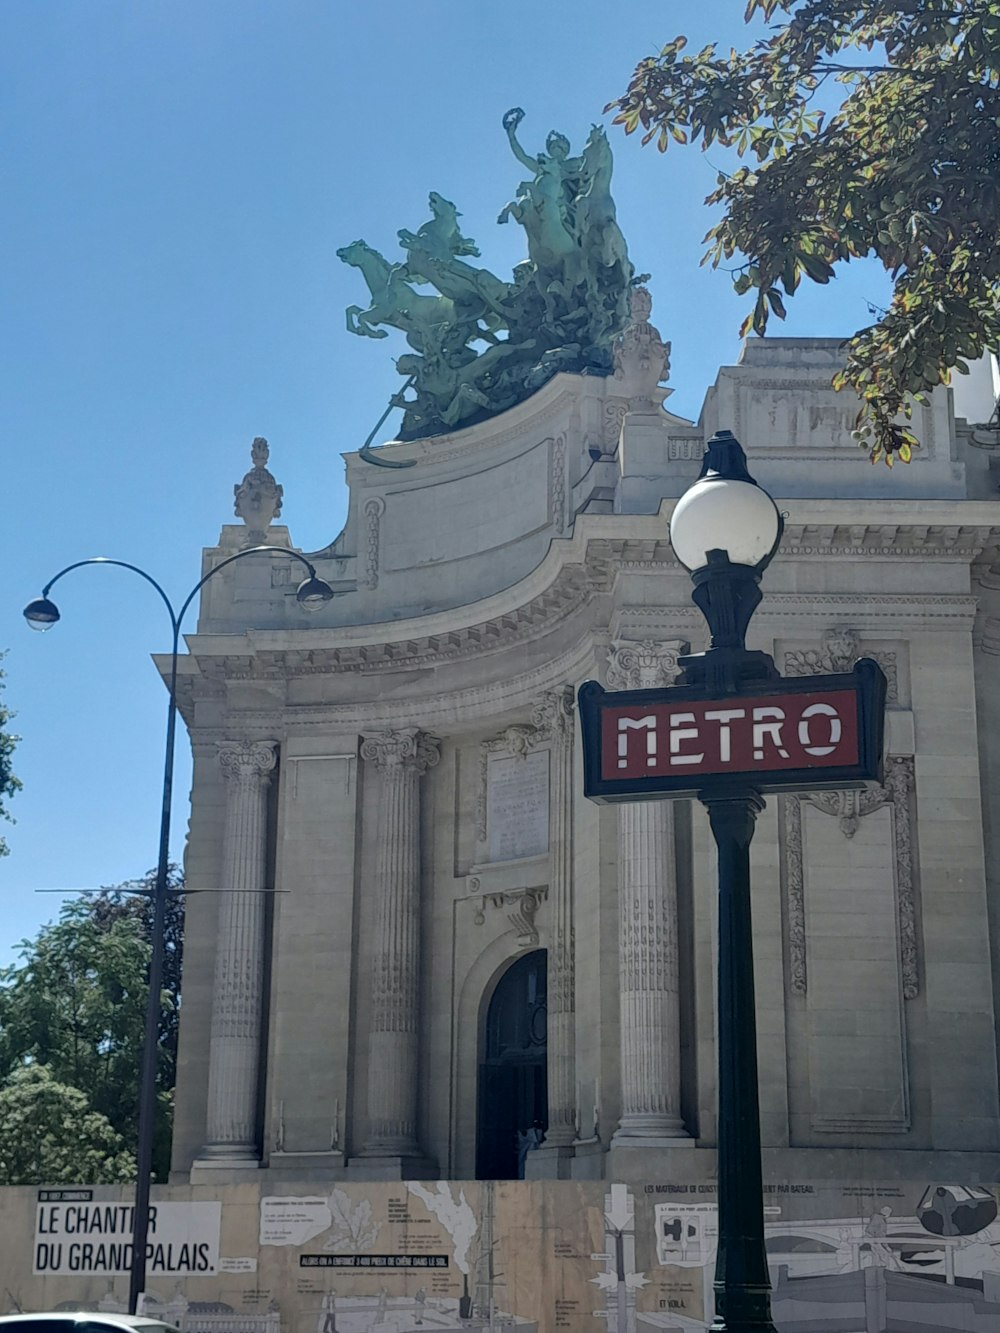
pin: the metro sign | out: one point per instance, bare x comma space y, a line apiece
796, 734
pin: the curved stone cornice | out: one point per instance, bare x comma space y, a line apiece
589, 563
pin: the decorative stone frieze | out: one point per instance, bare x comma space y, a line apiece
237, 1001
849, 808
842, 647
397, 759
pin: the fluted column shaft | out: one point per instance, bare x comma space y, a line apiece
555, 715
650, 1017
237, 1001
398, 759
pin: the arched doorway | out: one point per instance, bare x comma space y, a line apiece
513, 1096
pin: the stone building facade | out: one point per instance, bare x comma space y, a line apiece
465, 968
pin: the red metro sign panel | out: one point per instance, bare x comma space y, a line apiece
786, 735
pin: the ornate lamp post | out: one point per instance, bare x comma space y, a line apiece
732, 729
42, 614
725, 529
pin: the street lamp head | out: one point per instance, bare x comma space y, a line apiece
313, 592
41, 614
725, 512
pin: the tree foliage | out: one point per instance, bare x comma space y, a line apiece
9, 784
75, 1005
903, 163
49, 1134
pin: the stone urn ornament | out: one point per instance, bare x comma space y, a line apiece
641, 357
258, 496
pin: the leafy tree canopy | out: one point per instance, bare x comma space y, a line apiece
902, 164
75, 1005
9, 784
49, 1134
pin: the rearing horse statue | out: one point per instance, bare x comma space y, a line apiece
394, 301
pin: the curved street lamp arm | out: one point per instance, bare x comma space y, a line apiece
249, 550
148, 1065
175, 619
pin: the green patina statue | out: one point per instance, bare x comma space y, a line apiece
480, 344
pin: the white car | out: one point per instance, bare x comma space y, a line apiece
82, 1321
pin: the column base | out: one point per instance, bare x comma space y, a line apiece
547, 1163
376, 1166
207, 1170
322, 1163
651, 1132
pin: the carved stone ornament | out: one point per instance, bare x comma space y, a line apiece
408, 748
842, 647
849, 808
644, 664
552, 714
258, 496
642, 358
521, 907
248, 763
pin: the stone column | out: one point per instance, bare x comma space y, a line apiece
237, 1001
647, 944
398, 759
553, 716
647, 930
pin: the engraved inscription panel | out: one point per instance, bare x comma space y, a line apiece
518, 805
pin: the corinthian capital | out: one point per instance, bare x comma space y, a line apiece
552, 714
406, 749
643, 664
248, 763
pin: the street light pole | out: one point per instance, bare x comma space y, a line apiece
726, 530
42, 614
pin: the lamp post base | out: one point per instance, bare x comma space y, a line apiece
750, 1312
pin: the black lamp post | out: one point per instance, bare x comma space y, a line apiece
42, 614
725, 529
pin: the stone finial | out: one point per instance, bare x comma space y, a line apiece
258, 496
642, 358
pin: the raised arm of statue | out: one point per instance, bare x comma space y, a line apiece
511, 120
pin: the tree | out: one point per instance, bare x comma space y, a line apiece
903, 164
50, 1135
9, 784
76, 1005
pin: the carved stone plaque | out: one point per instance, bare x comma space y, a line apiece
517, 809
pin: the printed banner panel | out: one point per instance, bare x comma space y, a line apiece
535, 1256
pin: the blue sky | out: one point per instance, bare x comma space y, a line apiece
177, 178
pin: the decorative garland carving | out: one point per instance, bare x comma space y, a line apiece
374, 509
849, 808
611, 428
558, 492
